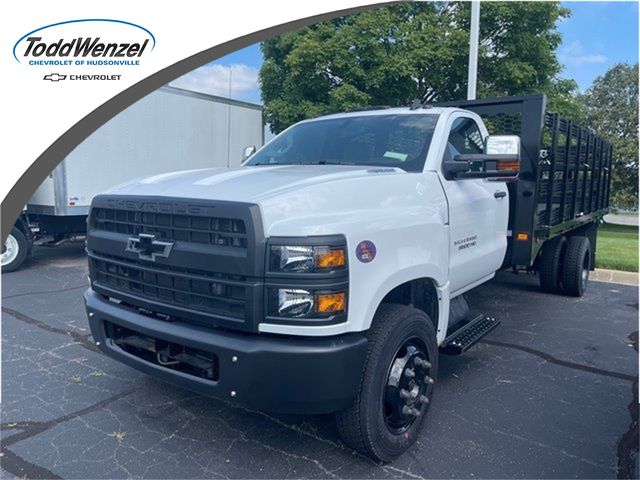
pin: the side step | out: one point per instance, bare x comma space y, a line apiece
463, 338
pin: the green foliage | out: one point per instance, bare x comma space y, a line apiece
392, 55
611, 110
564, 98
617, 247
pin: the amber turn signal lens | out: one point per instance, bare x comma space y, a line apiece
508, 166
330, 302
330, 258
523, 236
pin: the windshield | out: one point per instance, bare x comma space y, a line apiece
378, 140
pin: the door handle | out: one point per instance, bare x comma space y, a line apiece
500, 194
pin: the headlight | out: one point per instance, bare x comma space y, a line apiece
306, 259
294, 303
300, 303
307, 280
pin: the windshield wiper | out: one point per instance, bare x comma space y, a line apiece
327, 162
319, 162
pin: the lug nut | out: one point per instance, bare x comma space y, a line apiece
234, 359
404, 393
423, 399
422, 363
406, 410
233, 393
428, 380
410, 373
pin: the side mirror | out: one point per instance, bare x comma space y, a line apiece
247, 152
500, 161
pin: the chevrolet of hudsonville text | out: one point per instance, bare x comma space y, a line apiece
328, 272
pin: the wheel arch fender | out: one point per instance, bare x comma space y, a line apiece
405, 282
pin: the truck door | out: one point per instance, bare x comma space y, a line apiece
478, 211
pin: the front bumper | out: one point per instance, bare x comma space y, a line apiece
263, 372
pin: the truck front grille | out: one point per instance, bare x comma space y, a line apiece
211, 293
211, 274
228, 232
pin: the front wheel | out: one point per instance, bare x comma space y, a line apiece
400, 369
14, 250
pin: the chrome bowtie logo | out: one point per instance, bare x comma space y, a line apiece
148, 248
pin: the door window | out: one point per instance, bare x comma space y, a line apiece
464, 137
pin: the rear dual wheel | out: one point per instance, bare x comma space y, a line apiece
386, 417
551, 261
577, 263
565, 265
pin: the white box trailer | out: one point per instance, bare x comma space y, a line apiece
170, 129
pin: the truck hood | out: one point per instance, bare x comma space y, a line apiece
244, 184
295, 199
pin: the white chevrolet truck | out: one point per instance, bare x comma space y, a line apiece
328, 272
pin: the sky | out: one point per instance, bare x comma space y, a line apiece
596, 36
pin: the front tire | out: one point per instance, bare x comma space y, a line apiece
14, 250
577, 263
401, 366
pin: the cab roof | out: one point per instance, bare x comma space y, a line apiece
385, 111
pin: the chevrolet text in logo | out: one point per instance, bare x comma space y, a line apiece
86, 43
147, 247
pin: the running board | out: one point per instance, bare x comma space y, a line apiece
463, 338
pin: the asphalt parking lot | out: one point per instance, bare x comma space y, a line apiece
551, 393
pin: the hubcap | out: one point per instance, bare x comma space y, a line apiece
9, 250
408, 386
584, 277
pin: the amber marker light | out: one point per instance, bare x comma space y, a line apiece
330, 302
504, 165
523, 236
330, 258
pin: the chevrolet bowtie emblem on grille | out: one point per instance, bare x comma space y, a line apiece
147, 247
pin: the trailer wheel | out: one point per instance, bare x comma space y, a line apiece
14, 250
577, 263
386, 417
551, 259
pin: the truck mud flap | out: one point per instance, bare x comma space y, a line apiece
468, 334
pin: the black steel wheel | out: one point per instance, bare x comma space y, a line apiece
551, 263
400, 370
408, 387
577, 263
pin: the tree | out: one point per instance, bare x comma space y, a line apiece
392, 55
611, 110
